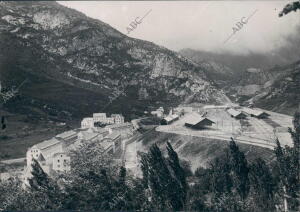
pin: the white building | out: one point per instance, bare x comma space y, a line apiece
87, 123
99, 117
118, 118
61, 162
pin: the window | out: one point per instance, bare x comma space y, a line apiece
60, 155
58, 166
57, 160
65, 160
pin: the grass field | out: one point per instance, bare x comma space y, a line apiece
22, 133
199, 151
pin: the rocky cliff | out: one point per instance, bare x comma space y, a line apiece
80, 65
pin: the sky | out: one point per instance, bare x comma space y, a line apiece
200, 25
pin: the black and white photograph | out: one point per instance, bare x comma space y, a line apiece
150, 106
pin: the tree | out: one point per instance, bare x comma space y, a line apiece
294, 6
288, 167
164, 180
221, 181
41, 185
178, 173
240, 170
97, 182
263, 186
9, 191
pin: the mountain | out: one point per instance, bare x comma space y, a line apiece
241, 62
282, 93
254, 78
75, 65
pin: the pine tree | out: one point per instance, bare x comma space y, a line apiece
122, 176
220, 179
288, 165
145, 169
42, 186
179, 176
240, 170
159, 178
167, 191
263, 185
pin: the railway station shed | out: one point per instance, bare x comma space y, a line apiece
236, 114
256, 113
197, 121
169, 119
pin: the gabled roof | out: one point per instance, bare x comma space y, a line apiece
234, 112
66, 134
171, 117
253, 112
87, 119
195, 118
88, 135
113, 135
99, 114
114, 115
47, 143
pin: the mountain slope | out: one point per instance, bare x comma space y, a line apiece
282, 94
253, 78
78, 64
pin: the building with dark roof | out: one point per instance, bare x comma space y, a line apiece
236, 114
196, 121
255, 113
169, 119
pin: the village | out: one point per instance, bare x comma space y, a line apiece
122, 140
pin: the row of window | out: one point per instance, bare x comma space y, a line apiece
64, 160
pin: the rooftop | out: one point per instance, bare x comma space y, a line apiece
195, 118
253, 111
99, 114
171, 117
113, 135
126, 124
234, 112
88, 119
88, 135
66, 134
47, 143
106, 144
114, 115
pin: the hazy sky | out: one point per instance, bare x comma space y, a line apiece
202, 25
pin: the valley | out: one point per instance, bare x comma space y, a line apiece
75, 65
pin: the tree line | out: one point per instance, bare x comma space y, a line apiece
230, 183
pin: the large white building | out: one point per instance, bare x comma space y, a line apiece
53, 154
89, 122
100, 117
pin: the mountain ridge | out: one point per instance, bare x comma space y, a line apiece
79, 51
